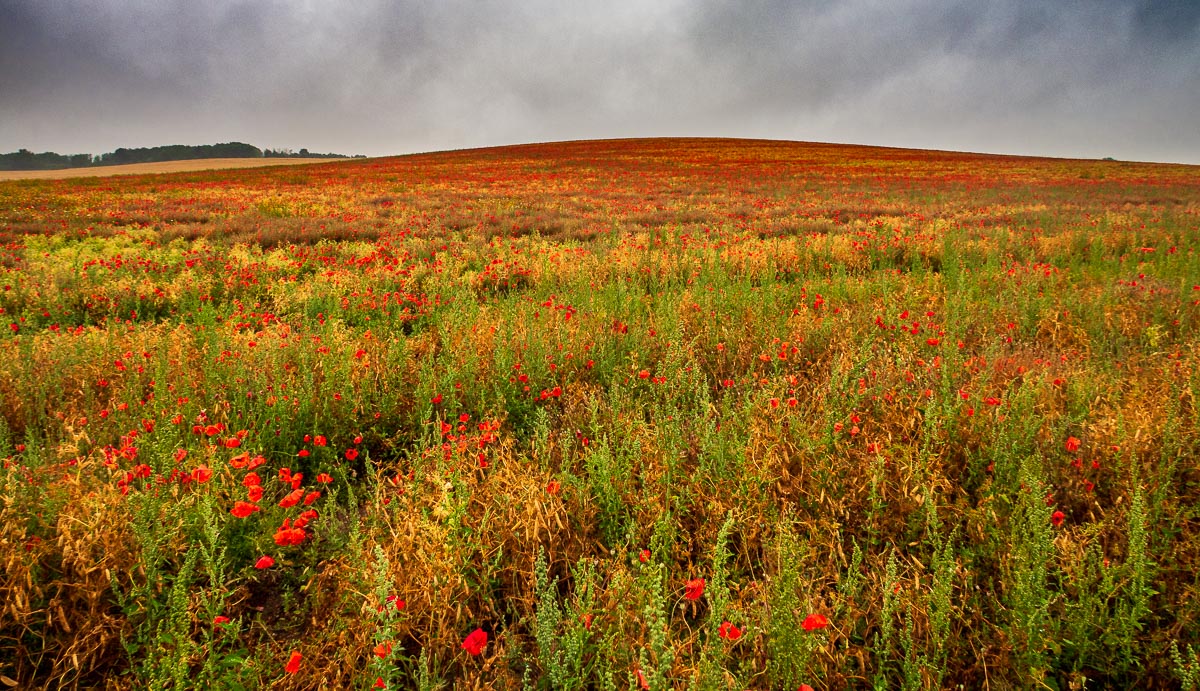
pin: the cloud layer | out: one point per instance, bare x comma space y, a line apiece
1070, 77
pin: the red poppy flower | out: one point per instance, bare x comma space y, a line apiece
1057, 518
324, 478
475, 642
287, 535
644, 556
383, 650
351, 454
220, 619
255, 493
1072, 444
320, 440
202, 474
815, 621
293, 663
379, 683
694, 589
728, 631
291, 499
242, 509
642, 680
264, 563
805, 687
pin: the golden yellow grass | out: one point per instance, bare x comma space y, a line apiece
161, 167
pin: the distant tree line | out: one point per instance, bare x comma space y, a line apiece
27, 160
302, 153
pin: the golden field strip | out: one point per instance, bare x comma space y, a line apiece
152, 168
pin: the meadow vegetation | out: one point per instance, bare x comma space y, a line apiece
644, 414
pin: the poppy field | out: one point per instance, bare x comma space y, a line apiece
633, 414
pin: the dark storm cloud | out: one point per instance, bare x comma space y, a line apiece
1167, 22
1069, 77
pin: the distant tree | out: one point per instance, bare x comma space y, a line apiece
24, 159
233, 150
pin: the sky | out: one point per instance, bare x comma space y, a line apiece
1074, 78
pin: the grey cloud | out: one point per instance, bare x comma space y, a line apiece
1167, 21
1076, 77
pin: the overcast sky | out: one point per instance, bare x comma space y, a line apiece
1088, 78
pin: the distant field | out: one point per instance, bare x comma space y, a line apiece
163, 167
638, 414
